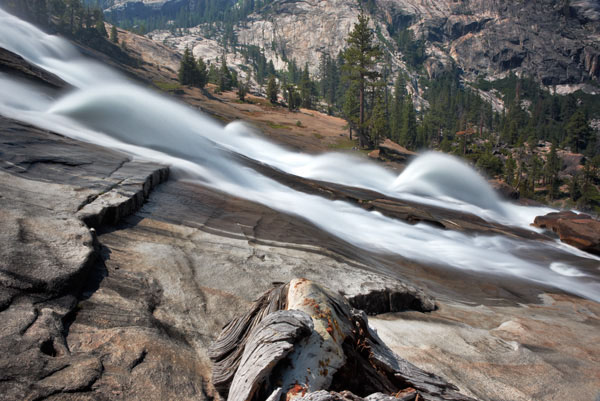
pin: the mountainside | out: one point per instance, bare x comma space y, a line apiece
555, 42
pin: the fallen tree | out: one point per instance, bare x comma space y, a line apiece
300, 341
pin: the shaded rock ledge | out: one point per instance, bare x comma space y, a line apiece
51, 187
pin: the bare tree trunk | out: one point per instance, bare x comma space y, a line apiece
362, 115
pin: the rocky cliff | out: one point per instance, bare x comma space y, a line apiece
553, 41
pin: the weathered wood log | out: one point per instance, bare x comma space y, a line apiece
320, 349
226, 351
269, 342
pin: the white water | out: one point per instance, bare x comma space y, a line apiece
108, 110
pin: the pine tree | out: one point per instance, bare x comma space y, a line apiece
551, 170
294, 99
292, 72
397, 109
408, 134
351, 108
200, 74
361, 57
225, 78
114, 36
509, 170
98, 16
379, 127
213, 74
272, 90
186, 68
242, 90
578, 131
306, 88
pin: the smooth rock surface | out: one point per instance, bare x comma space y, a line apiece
578, 230
529, 352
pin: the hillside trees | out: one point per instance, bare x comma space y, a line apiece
114, 35
329, 82
361, 57
272, 90
192, 72
578, 132
225, 76
307, 89
408, 133
397, 109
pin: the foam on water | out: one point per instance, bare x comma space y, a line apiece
108, 110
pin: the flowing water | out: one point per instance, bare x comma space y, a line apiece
107, 109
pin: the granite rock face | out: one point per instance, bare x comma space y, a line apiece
578, 230
51, 186
554, 42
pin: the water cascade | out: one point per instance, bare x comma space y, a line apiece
108, 110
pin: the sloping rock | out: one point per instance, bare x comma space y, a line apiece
16, 65
295, 359
391, 150
578, 230
49, 186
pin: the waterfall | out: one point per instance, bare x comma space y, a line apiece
107, 109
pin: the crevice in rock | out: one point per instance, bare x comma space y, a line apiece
34, 318
47, 348
138, 360
110, 213
388, 300
92, 198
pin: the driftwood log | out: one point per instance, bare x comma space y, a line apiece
300, 341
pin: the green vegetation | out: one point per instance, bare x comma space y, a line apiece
360, 59
220, 15
192, 72
167, 86
272, 90
69, 17
114, 35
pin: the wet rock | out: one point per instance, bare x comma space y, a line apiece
391, 150
16, 65
507, 191
307, 357
578, 230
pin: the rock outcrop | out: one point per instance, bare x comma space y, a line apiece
547, 40
578, 230
15, 65
554, 42
392, 151
50, 186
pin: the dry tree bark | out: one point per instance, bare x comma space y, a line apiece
300, 341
